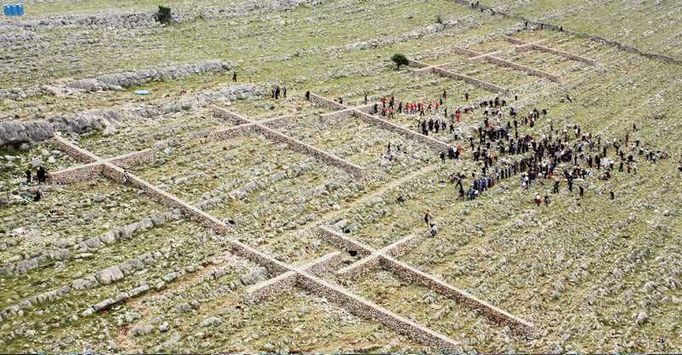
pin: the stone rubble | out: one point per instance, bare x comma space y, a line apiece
16, 132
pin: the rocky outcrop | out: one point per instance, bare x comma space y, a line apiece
19, 132
411, 35
10, 36
118, 81
110, 20
16, 132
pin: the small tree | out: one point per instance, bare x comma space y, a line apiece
164, 15
399, 60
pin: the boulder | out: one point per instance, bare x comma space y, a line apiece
109, 275
16, 132
211, 322
642, 317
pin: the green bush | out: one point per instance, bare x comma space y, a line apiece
399, 60
164, 15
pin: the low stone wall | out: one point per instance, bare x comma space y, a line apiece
465, 52
76, 174
497, 315
117, 174
74, 151
231, 132
327, 262
365, 108
366, 309
342, 242
523, 46
599, 39
373, 261
234, 118
292, 143
272, 287
274, 266
424, 71
361, 267
467, 79
326, 103
417, 64
275, 122
336, 115
288, 280
401, 247
134, 158
433, 143
529, 70
304, 148
563, 54
513, 40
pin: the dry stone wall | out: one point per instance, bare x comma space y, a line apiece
369, 310
272, 287
467, 79
529, 70
77, 174
134, 158
292, 143
325, 103
307, 149
562, 53
498, 315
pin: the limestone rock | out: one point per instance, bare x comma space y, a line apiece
211, 322
642, 317
109, 275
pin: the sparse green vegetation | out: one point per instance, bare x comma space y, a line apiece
399, 60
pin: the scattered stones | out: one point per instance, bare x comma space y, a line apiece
142, 330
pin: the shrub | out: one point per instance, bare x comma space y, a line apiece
164, 15
399, 60
439, 19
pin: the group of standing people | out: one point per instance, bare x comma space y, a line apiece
278, 91
40, 177
534, 158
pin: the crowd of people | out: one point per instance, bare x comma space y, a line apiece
559, 155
